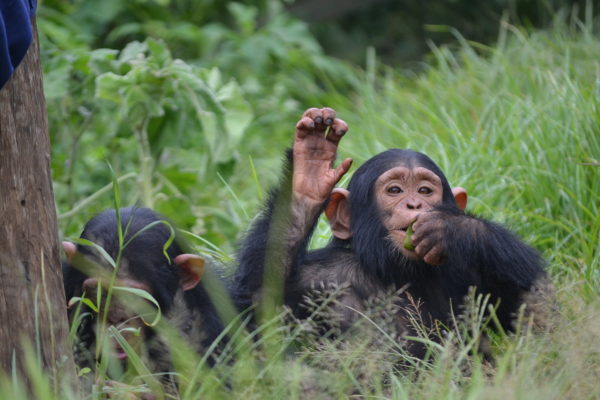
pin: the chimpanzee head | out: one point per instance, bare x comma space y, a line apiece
142, 264
384, 196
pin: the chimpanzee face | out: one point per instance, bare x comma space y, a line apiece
125, 312
402, 193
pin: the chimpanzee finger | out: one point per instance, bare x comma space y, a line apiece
338, 129
315, 115
420, 230
328, 115
304, 127
426, 225
342, 169
323, 117
435, 256
311, 112
422, 219
424, 246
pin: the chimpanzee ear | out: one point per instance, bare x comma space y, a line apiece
191, 267
460, 197
338, 213
70, 249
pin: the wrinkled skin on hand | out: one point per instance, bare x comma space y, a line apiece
429, 231
318, 134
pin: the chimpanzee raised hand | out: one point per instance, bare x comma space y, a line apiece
315, 146
391, 192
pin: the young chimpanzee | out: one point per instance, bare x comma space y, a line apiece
449, 252
152, 261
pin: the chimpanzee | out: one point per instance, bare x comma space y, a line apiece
397, 191
151, 259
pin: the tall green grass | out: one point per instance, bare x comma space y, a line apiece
518, 125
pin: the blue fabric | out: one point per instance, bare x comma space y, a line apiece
15, 34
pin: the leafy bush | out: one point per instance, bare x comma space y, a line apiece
170, 123
173, 125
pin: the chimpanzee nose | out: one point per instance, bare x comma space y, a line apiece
413, 204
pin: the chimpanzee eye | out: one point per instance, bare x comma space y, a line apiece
394, 189
425, 190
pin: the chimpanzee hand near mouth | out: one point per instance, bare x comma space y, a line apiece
318, 134
428, 235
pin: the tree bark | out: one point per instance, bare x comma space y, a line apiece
32, 300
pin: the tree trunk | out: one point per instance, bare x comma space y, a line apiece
32, 300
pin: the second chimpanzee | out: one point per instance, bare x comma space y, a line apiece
151, 260
452, 251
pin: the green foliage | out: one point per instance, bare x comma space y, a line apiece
173, 125
516, 124
170, 122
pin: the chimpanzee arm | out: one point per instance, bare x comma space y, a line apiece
279, 236
466, 241
275, 222
507, 268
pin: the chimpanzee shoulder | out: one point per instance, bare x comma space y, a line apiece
329, 265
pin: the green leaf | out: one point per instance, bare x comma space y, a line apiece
149, 226
144, 295
101, 60
136, 361
109, 86
178, 209
245, 17
98, 248
159, 52
407, 240
133, 51
117, 205
238, 114
84, 300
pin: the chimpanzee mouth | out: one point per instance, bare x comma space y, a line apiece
121, 355
120, 352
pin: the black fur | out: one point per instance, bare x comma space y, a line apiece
143, 259
495, 262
